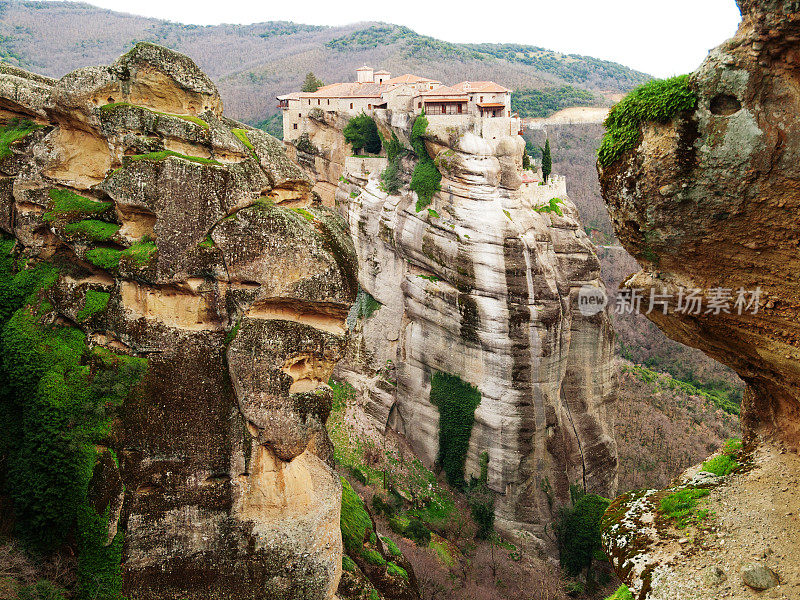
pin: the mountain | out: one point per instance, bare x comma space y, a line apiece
251, 64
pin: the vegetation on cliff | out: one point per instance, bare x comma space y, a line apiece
15, 130
456, 400
578, 533
426, 179
58, 399
658, 101
361, 132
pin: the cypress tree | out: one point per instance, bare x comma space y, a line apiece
311, 84
547, 161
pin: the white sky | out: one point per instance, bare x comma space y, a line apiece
660, 38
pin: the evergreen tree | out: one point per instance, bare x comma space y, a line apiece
547, 161
362, 132
311, 84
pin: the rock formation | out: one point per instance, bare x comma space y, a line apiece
187, 251
708, 199
481, 284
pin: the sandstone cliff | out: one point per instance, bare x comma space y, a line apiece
480, 285
706, 197
173, 305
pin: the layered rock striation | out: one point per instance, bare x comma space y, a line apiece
188, 252
480, 285
707, 198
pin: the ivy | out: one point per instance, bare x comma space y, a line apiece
456, 401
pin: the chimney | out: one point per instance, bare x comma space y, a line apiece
365, 75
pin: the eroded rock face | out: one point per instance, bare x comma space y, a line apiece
481, 285
709, 201
143, 194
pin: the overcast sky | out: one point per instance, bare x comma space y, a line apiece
660, 38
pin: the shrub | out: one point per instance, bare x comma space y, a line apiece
426, 179
362, 132
391, 178
456, 401
552, 206
380, 506
658, 101
418, 532
578, 533
303, 144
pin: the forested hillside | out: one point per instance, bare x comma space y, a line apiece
252, 64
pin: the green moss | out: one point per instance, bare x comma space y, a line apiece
307, 215
396, 571
164, 154
373, 594
117, 105
456, 401
242, 135
94, 303
680, 507
622, 593
355, 522
92, 229
657, 101
433, 214
433, 278
426, 179
67, 203
15, 130
138, 255
373, 557
348, 564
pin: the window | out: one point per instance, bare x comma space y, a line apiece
351, 106
419, 104
318, 101
481, 100
329, 102
369, 106
295, 125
